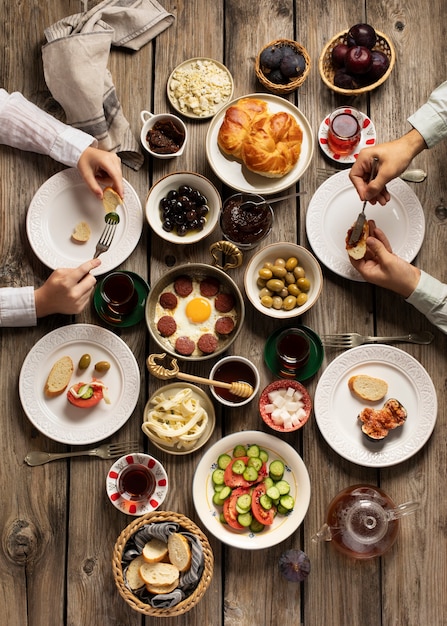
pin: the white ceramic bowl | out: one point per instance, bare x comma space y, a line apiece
149, 120
234, 361
172, 182
283, 250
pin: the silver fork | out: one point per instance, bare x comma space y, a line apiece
411, 176
344, 341
106, 451
112, 219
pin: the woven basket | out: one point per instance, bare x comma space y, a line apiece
188, 603
293, 83
327, 70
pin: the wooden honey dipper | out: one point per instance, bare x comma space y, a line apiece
240, 389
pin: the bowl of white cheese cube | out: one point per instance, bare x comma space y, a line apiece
285, 405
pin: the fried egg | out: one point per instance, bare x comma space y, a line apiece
195, 315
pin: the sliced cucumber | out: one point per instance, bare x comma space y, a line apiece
250, 474
268, 482
255, 462
239, 451
287, 502
244, 502
263, 455
238, 467
218, 476
245, 519
217, 499
256, 527
223, 461
224, 492
276, 470
283, 487
273, 493
253, 451
265, 502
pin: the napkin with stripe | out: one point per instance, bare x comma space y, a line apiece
188, 580
75, 61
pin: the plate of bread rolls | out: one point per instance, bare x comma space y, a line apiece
334, 208
259, 143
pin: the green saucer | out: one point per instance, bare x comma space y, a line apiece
142, 289
315, 359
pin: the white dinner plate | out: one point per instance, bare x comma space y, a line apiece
56, 417
63, 201
334, 208
283, 526
237, 176
367, 139
336, 408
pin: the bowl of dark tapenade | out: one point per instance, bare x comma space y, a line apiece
164, 135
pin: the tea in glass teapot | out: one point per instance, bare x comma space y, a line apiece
362, 521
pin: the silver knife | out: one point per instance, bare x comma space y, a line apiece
358, 226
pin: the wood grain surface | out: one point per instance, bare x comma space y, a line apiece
57, 526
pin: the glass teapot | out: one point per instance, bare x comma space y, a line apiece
362, 521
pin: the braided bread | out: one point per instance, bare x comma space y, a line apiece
268, 144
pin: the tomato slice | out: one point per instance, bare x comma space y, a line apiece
262, 516
229, 508
237, 480
85, 403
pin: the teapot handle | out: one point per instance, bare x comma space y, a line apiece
407, 508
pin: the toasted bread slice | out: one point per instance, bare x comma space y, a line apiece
81, 233
367, 387
163, 575
179, 551
155, 550
358, 250
59, 377
111, 200
156, 589
133, 577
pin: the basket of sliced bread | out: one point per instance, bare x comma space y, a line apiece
162, 564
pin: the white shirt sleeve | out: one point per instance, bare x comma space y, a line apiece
17, 306
430, 298
25, 126
431, 119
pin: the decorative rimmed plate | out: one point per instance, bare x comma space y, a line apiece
205, 401
315, 358
191, 69
154, 500
334, 208
142, 289
56, 417
367, 139
237, 176
336, 408
283, 526
63, 201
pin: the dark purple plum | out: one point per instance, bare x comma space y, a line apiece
294, 565
271, 58
292, 65
277, 77
363, 35
380, 64
358, 60
338, 54
344, 80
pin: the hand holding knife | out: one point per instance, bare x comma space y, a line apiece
358, 226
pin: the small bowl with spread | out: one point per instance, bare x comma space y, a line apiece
164, 136
246, 227
231, 369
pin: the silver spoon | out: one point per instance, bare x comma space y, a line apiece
251, 204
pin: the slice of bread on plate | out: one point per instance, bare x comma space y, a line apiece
155, 550
111, 200
59, 377
179, 551
160, 575
81, 233
133, 577
368, 387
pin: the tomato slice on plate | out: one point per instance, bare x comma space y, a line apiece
237, 480
85, 403
261, 515
229, 508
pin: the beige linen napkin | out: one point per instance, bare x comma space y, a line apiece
75, 67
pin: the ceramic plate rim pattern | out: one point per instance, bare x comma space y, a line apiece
326, 233
103, 420
209, 427
230, 171
39, 216
282, 527
367, 139
341, 429
139, 508
185, 64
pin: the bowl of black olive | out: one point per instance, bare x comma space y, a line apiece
183, 207
282, 66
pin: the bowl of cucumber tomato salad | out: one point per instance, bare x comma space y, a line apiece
251, 490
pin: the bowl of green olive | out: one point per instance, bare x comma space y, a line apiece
283, 280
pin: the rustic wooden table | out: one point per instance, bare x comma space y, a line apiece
57, 527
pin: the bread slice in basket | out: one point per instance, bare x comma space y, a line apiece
163, 577
155, 551
179, 551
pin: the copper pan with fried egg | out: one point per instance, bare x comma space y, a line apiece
197, 272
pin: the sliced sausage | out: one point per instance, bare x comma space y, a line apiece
209, 286
168, 300
184, 346
224, 326
183, 286
207, 343
166, 326
224, 302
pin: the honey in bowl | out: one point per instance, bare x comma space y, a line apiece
230, 371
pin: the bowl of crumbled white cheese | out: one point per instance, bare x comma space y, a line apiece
198, 88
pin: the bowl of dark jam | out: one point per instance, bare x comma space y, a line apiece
164, 135
246, 226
